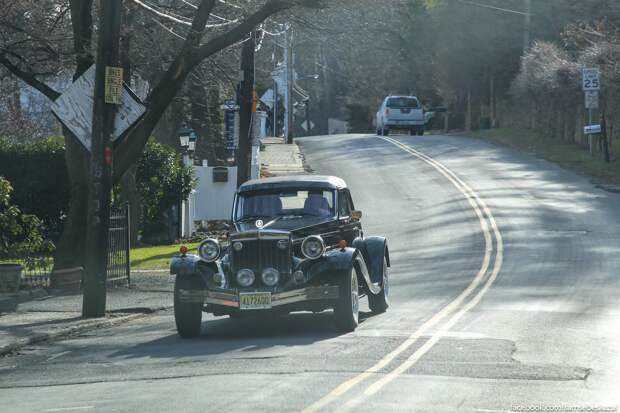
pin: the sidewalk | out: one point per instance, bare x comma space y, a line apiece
279, 159
43, 317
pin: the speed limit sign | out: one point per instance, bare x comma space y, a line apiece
591, 79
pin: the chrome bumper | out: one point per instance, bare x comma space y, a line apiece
328, 292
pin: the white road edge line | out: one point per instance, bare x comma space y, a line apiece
66, 409
476, 204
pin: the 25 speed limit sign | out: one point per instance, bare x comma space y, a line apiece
591, 79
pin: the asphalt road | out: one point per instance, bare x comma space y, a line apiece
505, 291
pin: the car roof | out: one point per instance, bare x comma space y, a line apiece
402, 96
294, 181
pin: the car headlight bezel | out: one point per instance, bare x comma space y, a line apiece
252, 277
209, 255
275, 274
307, 242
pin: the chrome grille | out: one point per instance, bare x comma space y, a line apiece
260, 252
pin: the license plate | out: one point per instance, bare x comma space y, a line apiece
254, 301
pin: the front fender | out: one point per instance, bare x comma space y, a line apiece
338, 260
374, 250
190, 264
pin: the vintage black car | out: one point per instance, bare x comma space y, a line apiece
295, 244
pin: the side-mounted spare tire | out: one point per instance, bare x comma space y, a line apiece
346, 310
379, 303
188, 314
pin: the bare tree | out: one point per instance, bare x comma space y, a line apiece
203, 38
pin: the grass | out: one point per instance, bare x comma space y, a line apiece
569, 156
156, 258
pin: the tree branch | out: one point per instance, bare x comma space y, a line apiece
234, 35
30, 78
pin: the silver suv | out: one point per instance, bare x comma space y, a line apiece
400, 112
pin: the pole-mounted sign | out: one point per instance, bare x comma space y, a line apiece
114, 85
591, 79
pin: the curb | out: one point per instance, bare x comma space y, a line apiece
94, 325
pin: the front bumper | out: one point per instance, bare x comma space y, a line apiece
231, 299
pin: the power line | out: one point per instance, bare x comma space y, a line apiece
488, 6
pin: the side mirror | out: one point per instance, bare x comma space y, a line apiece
356, 215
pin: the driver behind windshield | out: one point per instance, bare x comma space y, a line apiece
302, 203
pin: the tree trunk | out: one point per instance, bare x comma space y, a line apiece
246, 95
71, 246
130, 194
200, 117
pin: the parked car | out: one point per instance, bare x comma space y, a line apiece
400, 112
295, 244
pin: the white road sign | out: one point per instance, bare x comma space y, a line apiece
74, 109
592, 129
591, 79
591, 99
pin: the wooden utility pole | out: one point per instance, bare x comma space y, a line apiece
289, 85
527, 25
246, 98
100, 179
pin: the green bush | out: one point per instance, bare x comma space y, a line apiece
39, 176
19, 232
163, 181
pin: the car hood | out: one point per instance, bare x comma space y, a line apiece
297, 224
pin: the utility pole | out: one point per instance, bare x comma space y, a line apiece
528, 25
100, 179
308, 116
289, 84
246, 100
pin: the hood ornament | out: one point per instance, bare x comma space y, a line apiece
259, 223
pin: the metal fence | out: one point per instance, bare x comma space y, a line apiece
37, 267
119, 268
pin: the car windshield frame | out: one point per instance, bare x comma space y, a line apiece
241, 197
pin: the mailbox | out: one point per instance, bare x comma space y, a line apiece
220, 174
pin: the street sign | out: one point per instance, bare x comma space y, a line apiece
113, 85
592, 129
74, 109
304, 125
591, 79
591, 99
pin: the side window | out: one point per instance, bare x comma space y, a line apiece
344, 209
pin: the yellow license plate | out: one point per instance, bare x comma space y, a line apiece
254, 301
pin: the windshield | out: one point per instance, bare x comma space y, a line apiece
402, 103
290, 202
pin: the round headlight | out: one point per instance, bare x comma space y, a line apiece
245, 277
312, 247
270, 276
237, 246
209, 250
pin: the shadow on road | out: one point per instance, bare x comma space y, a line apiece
249, 335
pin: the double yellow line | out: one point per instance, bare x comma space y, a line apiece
451, 312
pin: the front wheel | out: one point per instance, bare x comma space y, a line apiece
188, 314
346, 310
379, 303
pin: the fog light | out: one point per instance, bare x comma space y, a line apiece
298, 276
218, 278
270, 276
245, 277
